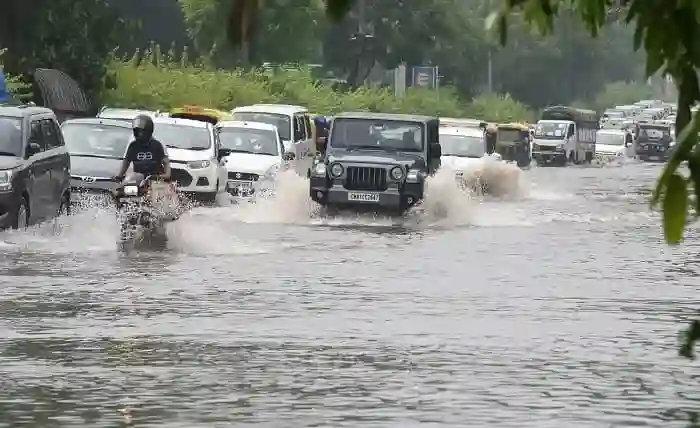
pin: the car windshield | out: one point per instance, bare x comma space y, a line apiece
182, 136
551, 130
462, 145
609, 139
10, 136
395, 135
247, 140
613, 114
281, 121
654, 133
96, 139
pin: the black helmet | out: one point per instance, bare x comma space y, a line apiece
143, 127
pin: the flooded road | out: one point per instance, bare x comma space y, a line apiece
557, 309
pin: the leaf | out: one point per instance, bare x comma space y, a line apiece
675, 208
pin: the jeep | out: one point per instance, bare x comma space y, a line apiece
376, 161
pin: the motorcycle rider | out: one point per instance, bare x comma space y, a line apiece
146, 153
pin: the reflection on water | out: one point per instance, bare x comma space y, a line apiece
559, 308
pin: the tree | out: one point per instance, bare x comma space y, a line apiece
292, 30
75, 36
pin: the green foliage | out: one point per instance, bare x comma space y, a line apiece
448, 33
75, 36
161, 82
621, 93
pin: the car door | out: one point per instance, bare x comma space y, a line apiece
299, 137
59, 161
310, 135
39, 174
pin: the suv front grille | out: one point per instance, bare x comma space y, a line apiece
242, 176
182, 177
366, 178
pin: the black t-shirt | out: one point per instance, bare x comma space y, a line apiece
146, 157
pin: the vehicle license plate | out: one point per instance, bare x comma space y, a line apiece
363, 197
653, 158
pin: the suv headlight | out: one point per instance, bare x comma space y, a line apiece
320, 169
6, 179
396, 173
412, 175
199, 164
560, 146
271, 172
337, 170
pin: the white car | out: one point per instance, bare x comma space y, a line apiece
193, 149
252, 151
292, 122
614, 144
463, 148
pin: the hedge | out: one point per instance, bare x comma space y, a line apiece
152, 82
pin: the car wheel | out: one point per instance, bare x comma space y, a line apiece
21, 221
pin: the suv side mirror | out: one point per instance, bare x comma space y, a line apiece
223, 153
435, 150
33, 148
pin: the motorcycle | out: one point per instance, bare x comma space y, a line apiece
140, 220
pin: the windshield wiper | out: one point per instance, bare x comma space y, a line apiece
351, 148
8, 154
237, 150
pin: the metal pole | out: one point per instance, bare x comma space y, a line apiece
490, 77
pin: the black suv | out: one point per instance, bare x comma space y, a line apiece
34, 166
376, 161
653, 142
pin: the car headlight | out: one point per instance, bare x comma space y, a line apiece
560, 146
320, 169
396, 173
131, 190
199, 164
535, 147
412, 175
6, 180
337, 170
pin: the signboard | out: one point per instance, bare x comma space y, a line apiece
424, 77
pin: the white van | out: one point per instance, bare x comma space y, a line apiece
292, 122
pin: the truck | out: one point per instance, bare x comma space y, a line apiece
565, 135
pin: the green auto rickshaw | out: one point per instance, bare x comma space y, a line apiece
513, 143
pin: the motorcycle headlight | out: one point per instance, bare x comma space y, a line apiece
320, 169
199, 164
131, 190
6, 180
336, 170
396, 173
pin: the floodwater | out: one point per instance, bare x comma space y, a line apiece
560, 307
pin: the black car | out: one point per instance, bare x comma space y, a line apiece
653, 143
34, 166
97, 148
376, 162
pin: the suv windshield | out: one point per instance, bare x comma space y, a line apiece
610, 139
551, 130
247, 140
654, 133
10, 136
281, 121
96, 139
182, 136
381, 134
462, 145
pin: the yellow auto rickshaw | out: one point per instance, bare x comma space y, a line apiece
202, 114
513, 143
